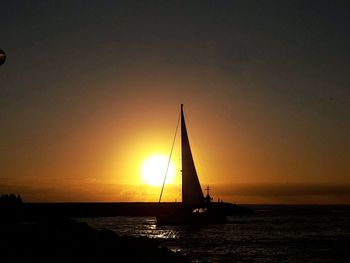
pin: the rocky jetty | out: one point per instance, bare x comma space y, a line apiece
40, 239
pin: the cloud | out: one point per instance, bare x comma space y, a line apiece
69, 190
89, 190
296, 193
287, 189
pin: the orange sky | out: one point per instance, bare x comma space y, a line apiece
85, 99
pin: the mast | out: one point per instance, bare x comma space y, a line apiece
191, 188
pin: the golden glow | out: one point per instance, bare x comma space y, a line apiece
153, 170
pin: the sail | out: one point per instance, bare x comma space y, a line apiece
191, 188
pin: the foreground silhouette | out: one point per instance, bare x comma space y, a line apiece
30, 237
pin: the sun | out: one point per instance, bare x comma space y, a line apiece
153, 170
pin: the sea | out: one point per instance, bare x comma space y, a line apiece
274, 233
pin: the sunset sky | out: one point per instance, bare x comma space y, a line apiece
90, 89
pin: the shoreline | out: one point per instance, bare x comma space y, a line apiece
105, 209
33, 238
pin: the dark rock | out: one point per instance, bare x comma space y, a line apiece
65, 240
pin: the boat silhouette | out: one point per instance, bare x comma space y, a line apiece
194, 208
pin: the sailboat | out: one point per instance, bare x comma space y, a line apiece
194, 208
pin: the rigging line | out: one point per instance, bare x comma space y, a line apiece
171, 152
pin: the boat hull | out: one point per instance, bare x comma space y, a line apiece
195, 216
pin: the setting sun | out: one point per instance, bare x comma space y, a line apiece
153, 170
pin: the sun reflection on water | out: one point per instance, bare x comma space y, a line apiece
136, 226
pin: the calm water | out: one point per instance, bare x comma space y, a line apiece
274, 234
